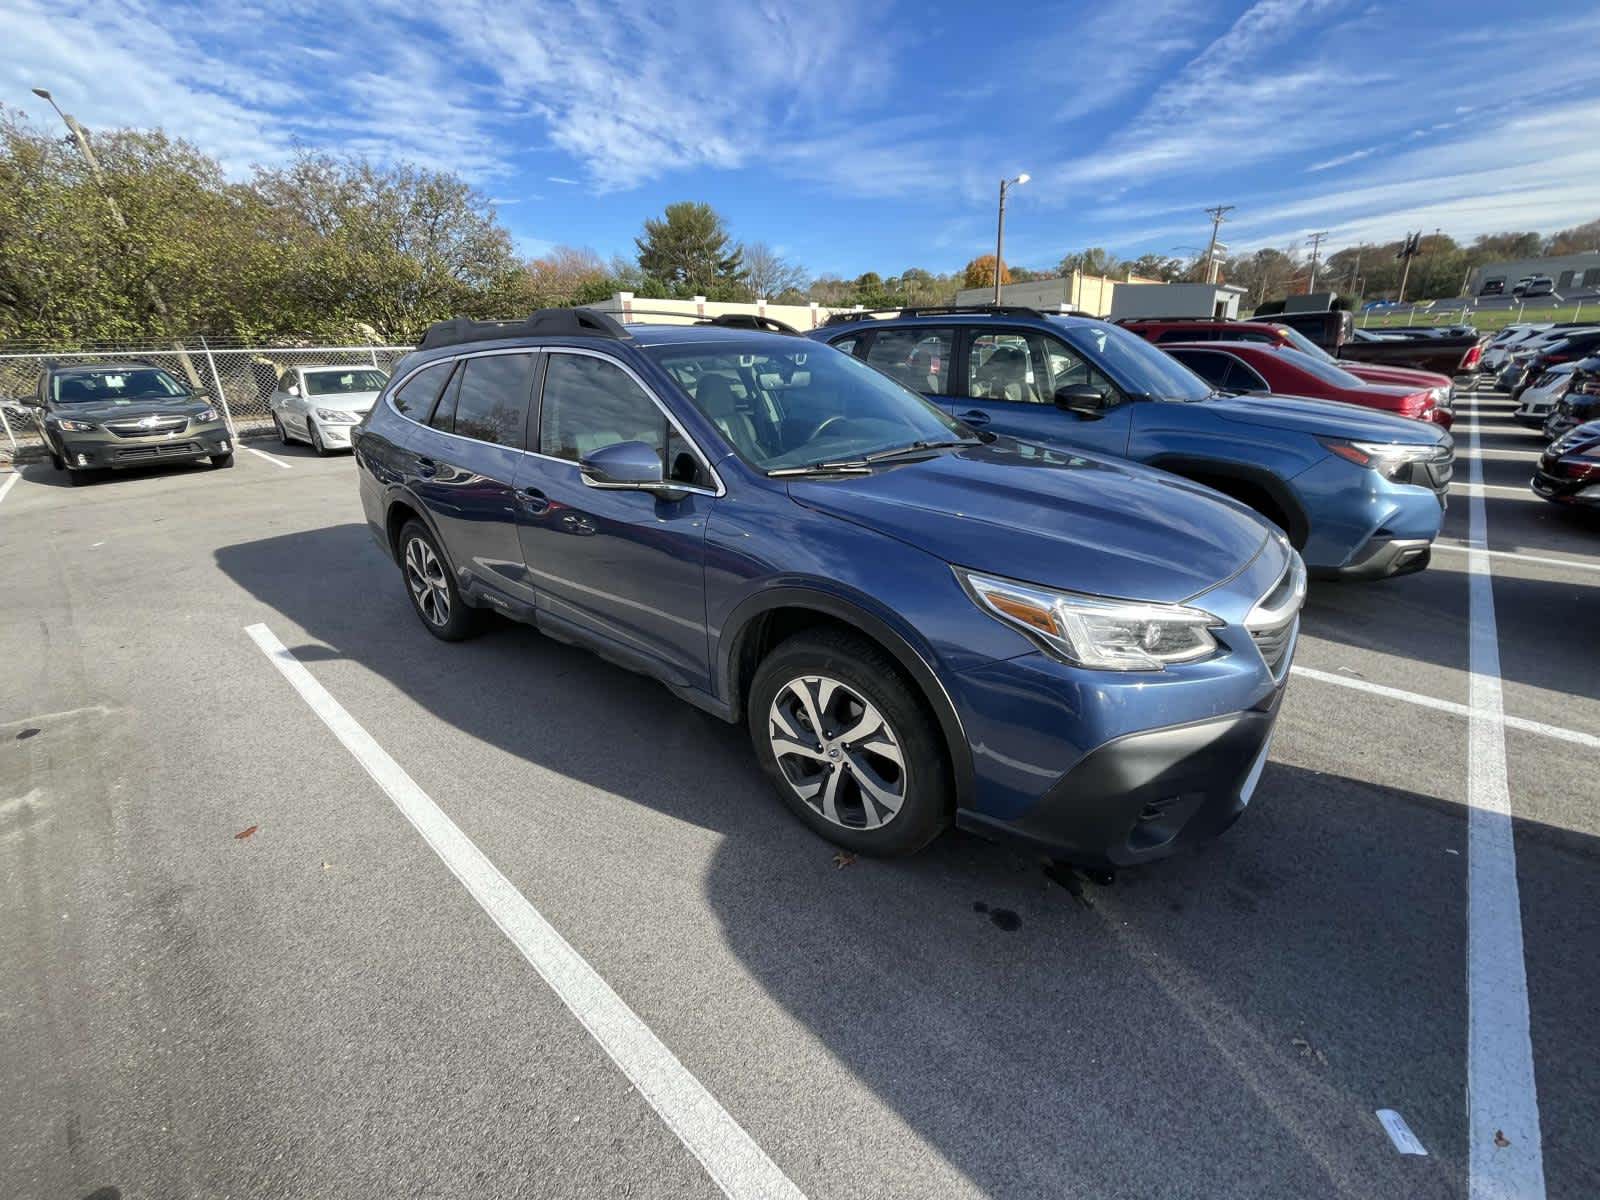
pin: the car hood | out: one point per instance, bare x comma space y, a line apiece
1072, 521
125, 410
345, 401
1411, 380
1325, 418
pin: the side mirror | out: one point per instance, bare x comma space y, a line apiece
1082, 399
634, 466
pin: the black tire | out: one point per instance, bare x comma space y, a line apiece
277, 427
316, 439
57, 461
81, 477
459, 621
926, 790
222, 460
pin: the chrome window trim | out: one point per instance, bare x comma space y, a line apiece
705, 460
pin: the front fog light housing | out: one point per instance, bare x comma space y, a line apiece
1088, 631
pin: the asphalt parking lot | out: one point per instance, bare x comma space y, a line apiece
322, 1007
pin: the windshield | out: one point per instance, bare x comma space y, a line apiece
1136, 364
1304, 344
1326, 371
333, 383
101, 387
784, 404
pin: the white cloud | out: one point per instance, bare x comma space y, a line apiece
562, 179
1342, 159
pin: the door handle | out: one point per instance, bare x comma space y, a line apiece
975, 418
427, 468
533, 499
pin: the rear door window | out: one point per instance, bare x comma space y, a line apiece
491, 402
918, 357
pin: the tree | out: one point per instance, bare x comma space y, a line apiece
1577, 240
768, 273
980, 273
689, 251
1096, 260
568, 275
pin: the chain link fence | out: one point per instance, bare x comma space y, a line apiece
243, 378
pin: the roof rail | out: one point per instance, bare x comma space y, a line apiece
755, 321
936, 310
545, 322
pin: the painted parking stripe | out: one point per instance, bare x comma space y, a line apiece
1513, 556
730, 1156
10, 482
1505, 1155
271, 458
1478, 490
1521, 724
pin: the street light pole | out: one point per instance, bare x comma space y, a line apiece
81, 136
1000, 230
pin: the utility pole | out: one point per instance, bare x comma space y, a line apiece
1218, 215
81, 136
1409, 250
1316, 246
1000, 231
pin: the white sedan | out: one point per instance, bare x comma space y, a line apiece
319, 405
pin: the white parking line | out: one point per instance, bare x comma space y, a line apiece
1505, 1156
730, 1156
1440, 544
1476, 490
1521, 724
271, 458
10, 482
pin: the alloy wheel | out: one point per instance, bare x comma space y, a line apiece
837, 752
425, 576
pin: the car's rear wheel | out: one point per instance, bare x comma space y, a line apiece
431, 587
848, 744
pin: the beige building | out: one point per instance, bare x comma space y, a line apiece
1088, 294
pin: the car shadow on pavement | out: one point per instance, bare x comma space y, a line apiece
1224, 1023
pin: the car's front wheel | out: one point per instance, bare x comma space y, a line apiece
849, 745
222, 460
432, 590
316, 439
277, 428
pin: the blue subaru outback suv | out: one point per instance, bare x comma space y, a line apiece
1361, 494
918, 623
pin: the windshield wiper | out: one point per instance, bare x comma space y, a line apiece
848, 466
919, 447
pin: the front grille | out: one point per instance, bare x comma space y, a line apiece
1275, 644
136, 428
160, 450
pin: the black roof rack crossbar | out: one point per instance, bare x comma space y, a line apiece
935, 310
755, 321
545, 322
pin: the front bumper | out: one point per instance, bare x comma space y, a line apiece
335, 437
1562, 489
99, 451
1386, 556
1145, 795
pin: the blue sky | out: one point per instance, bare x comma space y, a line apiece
862, 137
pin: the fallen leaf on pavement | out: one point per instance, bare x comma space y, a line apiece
244, 833
842, 859
1501, 1140
1307, 1050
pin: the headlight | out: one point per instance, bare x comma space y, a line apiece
1393, 461
334, 416
206, 415
73, 426
1111, 635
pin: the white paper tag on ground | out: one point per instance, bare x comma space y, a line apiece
1400, 1133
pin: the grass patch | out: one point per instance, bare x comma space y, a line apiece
1485, 319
